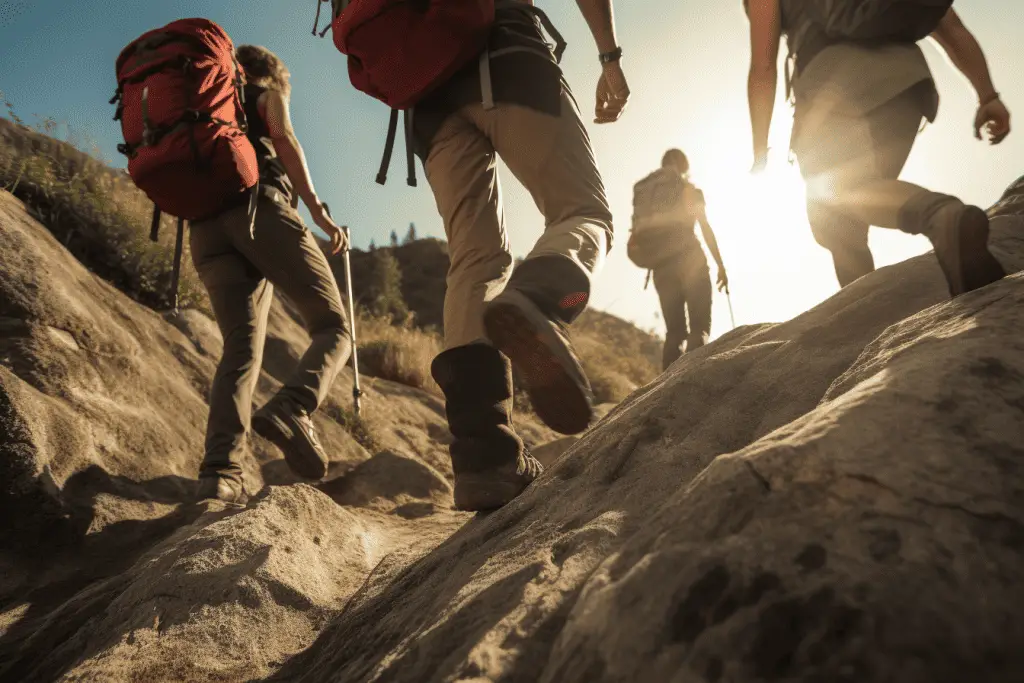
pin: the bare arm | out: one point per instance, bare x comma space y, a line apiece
709, 238
965, 53
762, 80
279, 123
274, 109
601, 20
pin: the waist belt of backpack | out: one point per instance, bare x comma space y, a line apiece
527, 13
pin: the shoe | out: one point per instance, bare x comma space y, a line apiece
490, 462
288, 427
226, 489
495, 487
959, 235
541, 350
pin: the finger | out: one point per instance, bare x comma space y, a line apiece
335, 241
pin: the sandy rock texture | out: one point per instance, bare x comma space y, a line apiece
839, 497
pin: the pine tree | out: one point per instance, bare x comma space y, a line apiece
373, 245
411, 235
394, 238
384, 291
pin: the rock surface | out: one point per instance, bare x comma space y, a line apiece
835, 498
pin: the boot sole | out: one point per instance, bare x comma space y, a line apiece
306, 465
974, 265
480, 494
556, 398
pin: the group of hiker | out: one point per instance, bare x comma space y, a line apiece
209, 138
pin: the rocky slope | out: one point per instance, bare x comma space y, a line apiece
835, 498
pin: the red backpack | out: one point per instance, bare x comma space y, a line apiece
399, 51
179, 97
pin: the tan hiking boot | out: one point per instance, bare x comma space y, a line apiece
540, 348
288, 427
959, 234
226, 489
490, 462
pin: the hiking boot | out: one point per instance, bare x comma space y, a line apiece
959, 234
290, 428
490, 462
542, 352
223, 488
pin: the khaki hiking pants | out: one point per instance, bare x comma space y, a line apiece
240, 273
552, 158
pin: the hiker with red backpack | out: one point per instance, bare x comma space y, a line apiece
210, 140
662, 240
477, 79
861, 87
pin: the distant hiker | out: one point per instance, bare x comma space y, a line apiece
861, 87
500, 93
240, 264
662, 240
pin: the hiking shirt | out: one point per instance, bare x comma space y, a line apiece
272, 171
524, 78
851, 80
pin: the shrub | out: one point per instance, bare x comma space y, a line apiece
94, 211
400, 354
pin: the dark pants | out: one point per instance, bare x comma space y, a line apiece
684, 290
852, 167
240, 273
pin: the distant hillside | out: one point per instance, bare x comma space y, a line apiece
618, 356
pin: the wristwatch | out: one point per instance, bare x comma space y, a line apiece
609, 57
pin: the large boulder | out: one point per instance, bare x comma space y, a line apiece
838, 497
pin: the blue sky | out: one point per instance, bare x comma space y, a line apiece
686, 62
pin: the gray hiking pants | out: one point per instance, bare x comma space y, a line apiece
684, 290
240, 273
551, 156
851, 166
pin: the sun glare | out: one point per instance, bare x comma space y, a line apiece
776, 269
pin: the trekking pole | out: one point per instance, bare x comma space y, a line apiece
728, 298
356, 391
176, 269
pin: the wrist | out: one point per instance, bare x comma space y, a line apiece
610, 56
988, 98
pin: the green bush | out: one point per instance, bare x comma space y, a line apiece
95, 212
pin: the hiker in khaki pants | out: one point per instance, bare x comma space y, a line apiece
514, 103
240, 263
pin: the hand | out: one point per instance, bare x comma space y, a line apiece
338, 236
723, 280
612, 93
994, 119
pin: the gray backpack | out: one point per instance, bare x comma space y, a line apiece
878, 21
813, 25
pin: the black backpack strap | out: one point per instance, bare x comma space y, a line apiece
154, 227
410, 158
176, 268
389, 147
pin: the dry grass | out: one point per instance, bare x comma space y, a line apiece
94, 210
400, 354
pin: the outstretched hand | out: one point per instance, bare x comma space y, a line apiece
994, 119
612, 93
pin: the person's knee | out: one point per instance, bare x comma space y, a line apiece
477, 267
